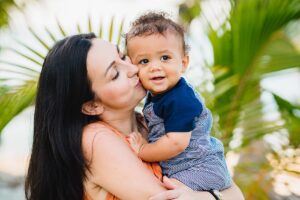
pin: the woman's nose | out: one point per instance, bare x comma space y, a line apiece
132, 70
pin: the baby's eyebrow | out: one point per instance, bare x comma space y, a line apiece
164, 51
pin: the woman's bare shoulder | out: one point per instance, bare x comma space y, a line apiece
93, 135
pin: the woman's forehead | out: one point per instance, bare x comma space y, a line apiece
101, 54
103, 47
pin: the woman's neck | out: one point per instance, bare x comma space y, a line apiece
125, 122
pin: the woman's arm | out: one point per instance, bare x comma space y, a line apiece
179, 191
117, 169
166, 147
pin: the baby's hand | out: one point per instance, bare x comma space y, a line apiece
136, 141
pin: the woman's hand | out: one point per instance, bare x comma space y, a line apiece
177, 190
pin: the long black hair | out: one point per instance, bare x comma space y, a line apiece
57, 166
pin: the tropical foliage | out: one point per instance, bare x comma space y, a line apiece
250, 45
6, 6
15, 98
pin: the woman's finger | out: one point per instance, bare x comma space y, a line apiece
168, 183
171, 194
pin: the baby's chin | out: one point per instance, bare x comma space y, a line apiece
156, 92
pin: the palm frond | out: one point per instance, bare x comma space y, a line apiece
100, 34
90, 28
61, 29
18, 67
249, 49
111, 29
51, 35
35, 52
15, 100
120, 32
42, 42
27, 57
292, 119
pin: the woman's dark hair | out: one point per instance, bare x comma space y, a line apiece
57, 166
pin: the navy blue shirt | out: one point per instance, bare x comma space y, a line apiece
179, 107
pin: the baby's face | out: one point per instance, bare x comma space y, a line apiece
160, 59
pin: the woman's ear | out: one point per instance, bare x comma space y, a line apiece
92, 108
185, 63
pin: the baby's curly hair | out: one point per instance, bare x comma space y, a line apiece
155, 23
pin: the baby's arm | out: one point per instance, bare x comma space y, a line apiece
168, 146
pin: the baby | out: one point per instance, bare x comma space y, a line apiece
178, 121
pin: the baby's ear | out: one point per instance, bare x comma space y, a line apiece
92, 108
185, 63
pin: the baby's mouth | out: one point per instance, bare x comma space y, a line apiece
157, 78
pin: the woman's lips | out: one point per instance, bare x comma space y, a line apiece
138, 83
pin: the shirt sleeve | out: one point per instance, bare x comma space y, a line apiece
179, 113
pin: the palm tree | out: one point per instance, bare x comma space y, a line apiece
17, 97
250, 45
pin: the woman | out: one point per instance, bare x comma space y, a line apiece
85, 104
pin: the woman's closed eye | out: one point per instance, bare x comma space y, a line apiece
116, 75
165, 57
143, 61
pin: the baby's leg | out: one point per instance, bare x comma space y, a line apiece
205, 176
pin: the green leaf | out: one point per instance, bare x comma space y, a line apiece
90, 28
100, 30
42, 42
120, 32
111, 29
78, 28
51, 35
62, 31
19, 67
12, 103
251, 47
289, 113
27, 57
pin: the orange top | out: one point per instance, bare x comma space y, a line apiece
153, 167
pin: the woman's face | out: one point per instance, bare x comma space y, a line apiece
113, 78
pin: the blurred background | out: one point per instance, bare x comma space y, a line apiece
245, 61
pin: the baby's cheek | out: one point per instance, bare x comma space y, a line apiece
140, 72
142, 75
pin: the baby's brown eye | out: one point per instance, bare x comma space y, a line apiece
165, 57
144, 61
